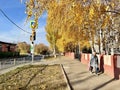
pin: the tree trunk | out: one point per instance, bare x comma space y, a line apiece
79, 46
54, 51
92, 46
101, 41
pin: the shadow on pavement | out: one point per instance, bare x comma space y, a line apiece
82, 72
77, 74
104, 84
82, 80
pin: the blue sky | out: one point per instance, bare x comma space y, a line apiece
16, 12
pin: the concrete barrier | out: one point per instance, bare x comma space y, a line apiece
112, 65
85, 58
70, 54
117, 66
109, 65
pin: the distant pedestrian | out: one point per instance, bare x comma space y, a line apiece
94, 63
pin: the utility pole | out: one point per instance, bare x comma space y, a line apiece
32, 39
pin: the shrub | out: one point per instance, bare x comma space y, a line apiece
8, 54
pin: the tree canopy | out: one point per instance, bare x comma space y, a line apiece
76, 21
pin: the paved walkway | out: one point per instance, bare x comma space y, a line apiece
80, 78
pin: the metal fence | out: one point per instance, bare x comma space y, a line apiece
6, 63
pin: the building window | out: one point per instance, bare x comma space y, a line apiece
8, 47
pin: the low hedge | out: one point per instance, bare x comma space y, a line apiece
8, 54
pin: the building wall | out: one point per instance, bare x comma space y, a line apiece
4, 48
0, 47
8, 48
12, 48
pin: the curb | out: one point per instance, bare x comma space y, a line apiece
66, 78
5, 70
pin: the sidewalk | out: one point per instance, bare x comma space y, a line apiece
81, 79
79, 76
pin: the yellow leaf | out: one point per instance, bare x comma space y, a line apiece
107, 8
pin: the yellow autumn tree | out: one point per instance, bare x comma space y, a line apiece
76, 21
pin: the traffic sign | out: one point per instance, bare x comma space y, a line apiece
32, 24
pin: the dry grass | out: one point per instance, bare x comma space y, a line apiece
34, 77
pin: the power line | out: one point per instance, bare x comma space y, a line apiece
13, 22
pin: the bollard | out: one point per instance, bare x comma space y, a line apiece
14, 61
11, 62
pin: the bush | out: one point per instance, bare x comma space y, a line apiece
8, 54
86, 50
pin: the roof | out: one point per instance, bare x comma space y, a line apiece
1, 42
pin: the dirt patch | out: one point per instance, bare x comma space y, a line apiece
34, 77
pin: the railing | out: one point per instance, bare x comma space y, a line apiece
6, 63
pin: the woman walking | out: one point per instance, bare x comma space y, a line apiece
94, 63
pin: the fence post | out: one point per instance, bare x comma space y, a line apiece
14, 61
0, 65
24, 60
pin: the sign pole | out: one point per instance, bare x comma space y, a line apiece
32, 51
32, 38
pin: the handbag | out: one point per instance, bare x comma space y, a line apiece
90, 68
97, 70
